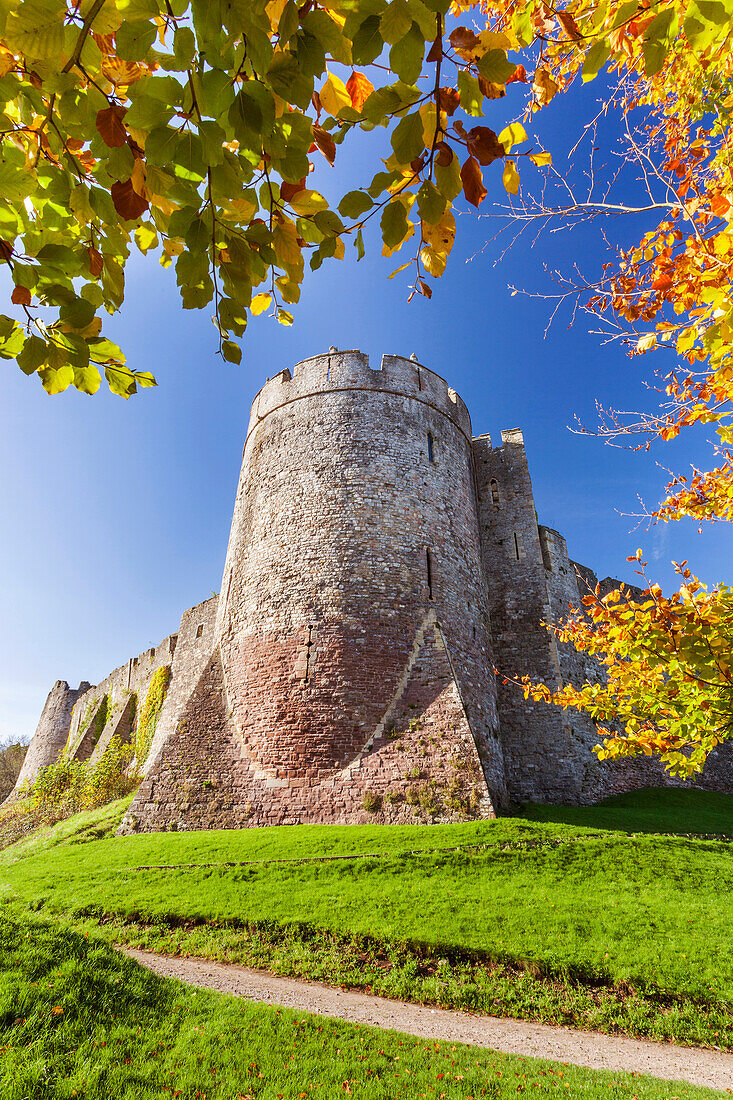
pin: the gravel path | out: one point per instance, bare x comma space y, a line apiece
581, 1048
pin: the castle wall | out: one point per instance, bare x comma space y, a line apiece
195, 641
539, 754
421, 764
111, 707
51, 732
355, 516
381, 565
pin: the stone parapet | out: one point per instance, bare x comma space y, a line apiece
335, 371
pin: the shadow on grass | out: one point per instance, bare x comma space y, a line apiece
666, 810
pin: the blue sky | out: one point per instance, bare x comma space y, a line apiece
114, 515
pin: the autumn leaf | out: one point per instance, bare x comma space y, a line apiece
128, 204
571, 28
325, 143
111, 126
359, 88
510, 178
334, 96
544, 87
21, 296
449, 99
473, 182
484, 145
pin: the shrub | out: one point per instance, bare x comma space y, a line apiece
65, 788
371, 802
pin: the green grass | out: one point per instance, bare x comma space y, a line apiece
78, 1020
649, 811
544, 920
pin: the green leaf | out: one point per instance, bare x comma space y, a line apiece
658, 39
147, 112
472, 98
407, 138
595, 59
495, 67
430, 203
355, 203
394, 224
448, 179
359, 246
56, 379
134, 39
78, 314
367, 43
184, 46
231, 351
212, 142
87, 379
406, 56
395, 22
32, 355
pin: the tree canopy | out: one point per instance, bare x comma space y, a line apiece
188, 130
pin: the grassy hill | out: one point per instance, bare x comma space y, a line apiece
79, 1020
603, 924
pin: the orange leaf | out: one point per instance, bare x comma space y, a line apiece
290, 190
571, 28
96, 262
21, 296
325, 142
519, 75
483, 145
359, 88
473, 181
449, 100
128, 204
111, 126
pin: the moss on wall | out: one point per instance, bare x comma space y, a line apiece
151, 708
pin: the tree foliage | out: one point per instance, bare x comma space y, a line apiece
189, 130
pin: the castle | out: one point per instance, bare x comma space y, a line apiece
382, 563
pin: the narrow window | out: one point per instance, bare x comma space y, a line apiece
419, 379
494, 492
516, 546
430, 447
199, 630
429, 573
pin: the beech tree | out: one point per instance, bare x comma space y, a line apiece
188, 130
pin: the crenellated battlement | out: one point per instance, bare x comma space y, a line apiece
336, 371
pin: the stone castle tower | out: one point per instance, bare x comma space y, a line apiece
381, 563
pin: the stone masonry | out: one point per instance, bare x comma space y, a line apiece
382, 563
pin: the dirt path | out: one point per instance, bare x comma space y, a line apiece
581, 1048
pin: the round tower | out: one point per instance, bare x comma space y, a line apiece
355, 535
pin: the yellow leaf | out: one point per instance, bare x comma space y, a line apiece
513, 134
259, 303
440, 237
334, 96
434, 262
647, 342
510, 177
541, 159
340, 250
284, 317
137, 177
285, 241
308, 202
428, 116
544, 87
398, 269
